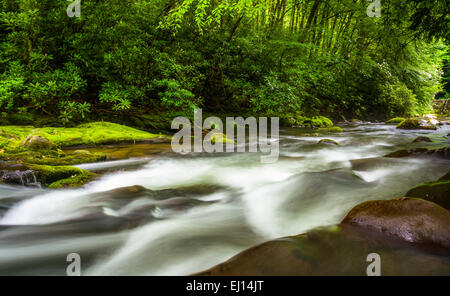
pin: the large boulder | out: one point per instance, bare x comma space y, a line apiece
36, 142
337, 250
412, 220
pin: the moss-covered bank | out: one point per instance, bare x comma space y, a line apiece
38, 150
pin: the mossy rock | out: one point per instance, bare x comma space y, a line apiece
395, 120
36, 142
415, 123
61, 176
220, 138
89, 134
328, 142
53, 158
437, 192
422, 139
334, 129
314, 122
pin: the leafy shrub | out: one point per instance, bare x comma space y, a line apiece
73, 110
398, 100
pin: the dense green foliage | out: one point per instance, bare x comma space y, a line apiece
270, 57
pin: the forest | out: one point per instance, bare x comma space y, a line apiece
122, 59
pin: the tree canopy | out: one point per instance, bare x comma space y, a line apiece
269, 57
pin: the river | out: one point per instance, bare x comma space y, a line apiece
153, 212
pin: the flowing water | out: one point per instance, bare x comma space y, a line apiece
153, 212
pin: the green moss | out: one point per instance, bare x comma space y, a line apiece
334, 129
328, 142
395, 120
314, 122
61, 176
321, 121
221, 138
73, 181
414, 123
437, 192
95, 133
55, 158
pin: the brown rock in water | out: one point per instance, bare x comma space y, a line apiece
422, 139
337, 250
412, 220
328, 142
445, 177
443, 152
37, 142
367, 164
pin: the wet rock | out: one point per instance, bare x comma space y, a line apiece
337, 250
166, 199
437, 192
334, 129
37, 142
412, 220
133, 192
443, 152
17, 174
17, 177
422, 139
328, 142
445, 177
